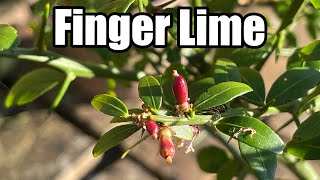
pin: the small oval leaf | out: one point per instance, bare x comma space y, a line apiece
198, 87
263, 163
251, 131
220, 94
308, 129
114, 137
292, 85
307, 150
32, 85
211, 159
150, 91
253, 78
8, 37
109, 105
226, 70
247, 56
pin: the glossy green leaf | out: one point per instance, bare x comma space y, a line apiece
198, 87
308, 150
311, 52
247, 56
226, 70
295, 61
118, 6
150, 91
8, 37
118, 119
114, 137
305, 143
173, 29
220, 94
211, 159
292, 85
178, 121
316, 3
166, 83
309, 129
109, 105
254, 80
228, 170
183, 132
32, 85
263, 163
254, 132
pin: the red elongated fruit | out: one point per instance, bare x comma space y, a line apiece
167, 149
180, 91
152, 128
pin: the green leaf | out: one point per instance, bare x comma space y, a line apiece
211, 159
183, 132
226, 70
150, 91
295, 61
166, 83
292, 85
221, 6
119, 6
316, 3
198, 87
228, 170
307, 150
32, 85
311, 52
173, 29
253, 78
247, 56
109, 105
8, 37
262, 163
220, 94
261, 136
305, 143
118, 119
309, 129
178, 121
113, 137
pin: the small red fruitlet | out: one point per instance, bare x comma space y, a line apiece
167, 149
152, 128
180, 91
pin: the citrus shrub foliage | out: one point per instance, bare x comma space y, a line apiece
226, 96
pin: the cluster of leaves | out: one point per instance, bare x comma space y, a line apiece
231, 78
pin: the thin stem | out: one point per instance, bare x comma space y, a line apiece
140, 5
197, 3
284, 125
296, 119
65, 64
41, 45
309, 97
264, 108
65, 85
300, 168
294, 9
134, 145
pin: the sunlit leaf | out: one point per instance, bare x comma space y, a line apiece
114, 137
